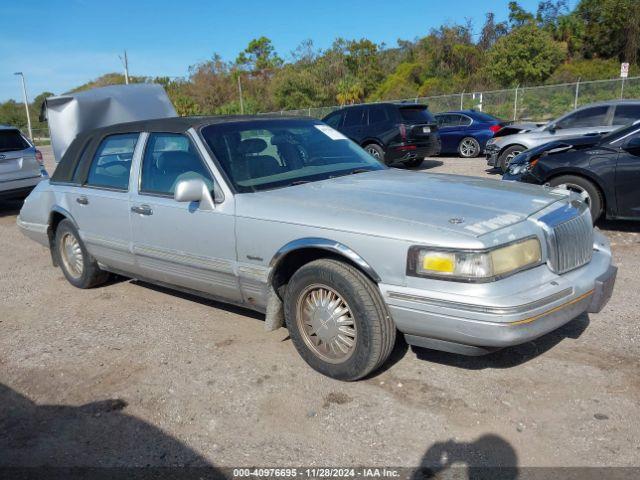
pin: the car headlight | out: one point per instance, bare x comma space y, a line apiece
518, 168
474, 265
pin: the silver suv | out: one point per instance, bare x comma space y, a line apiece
593, 119
21, 165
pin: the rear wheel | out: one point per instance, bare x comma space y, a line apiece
376, 151
414, 163
337, 320
587, 190
509, 154
469, 148
80, 268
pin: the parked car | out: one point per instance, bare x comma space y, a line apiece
21, 164
466, 132
603, 170
393, 133
287, 216
594, 119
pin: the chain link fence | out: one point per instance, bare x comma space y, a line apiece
540, 103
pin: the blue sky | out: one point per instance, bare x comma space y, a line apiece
59, 44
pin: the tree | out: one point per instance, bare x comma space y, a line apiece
260, 55
491, 32
612, 27
527, 55
518, 16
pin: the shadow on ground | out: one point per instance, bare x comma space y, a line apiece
97, 435
508, 357
10, 207
488, 457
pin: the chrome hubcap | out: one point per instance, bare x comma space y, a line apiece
511, 156
71, 255
468, 148
373, 152
326, 323
584, 195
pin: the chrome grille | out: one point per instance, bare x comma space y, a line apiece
569, 241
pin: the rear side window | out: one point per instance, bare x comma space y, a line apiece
334, 119
589, 117
11, 140
353, 116
111, 165
416, 115
378, 114
626, 114
168, 159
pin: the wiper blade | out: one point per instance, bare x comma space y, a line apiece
298, 182
359, 170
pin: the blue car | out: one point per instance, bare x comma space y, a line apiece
466, 132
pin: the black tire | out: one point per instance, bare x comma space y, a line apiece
469, 147
375, 331
586, 188
89, 275
507, 155
413, 163
375, 150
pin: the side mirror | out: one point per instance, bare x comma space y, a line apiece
633, 146
551, 127
194, 190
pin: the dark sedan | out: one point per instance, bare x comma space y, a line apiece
466, 132
603, 169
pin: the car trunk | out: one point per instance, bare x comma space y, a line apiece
417, 124
17, 157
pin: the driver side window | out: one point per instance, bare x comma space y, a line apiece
168, 159
589, 117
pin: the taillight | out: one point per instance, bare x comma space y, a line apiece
495, 128
403, 131
39, 158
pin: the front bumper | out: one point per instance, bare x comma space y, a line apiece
492, 152
470, 327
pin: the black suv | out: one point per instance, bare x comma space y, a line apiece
391, 132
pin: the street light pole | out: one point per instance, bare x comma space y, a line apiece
26, 103
125, 64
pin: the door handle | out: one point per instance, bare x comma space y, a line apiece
142, 209
82, 200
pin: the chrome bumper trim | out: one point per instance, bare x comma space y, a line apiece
482, 308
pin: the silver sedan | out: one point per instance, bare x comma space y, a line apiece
288, 217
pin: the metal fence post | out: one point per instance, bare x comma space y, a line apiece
515, 105
622, 89
462, 100
575, 101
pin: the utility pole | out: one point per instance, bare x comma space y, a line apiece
240, 95
26, 103
125, 63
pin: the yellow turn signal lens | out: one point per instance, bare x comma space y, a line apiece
438, 262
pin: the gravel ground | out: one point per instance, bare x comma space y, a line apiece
131, 374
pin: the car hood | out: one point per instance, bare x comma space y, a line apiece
556, 147
401, 204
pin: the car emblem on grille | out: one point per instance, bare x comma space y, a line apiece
456, 220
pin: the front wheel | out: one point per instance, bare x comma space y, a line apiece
509, 154
337, 320
376, 151
586, 189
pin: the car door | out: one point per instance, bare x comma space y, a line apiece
179, 243
448, 128
628, 177
353, 125
99, 203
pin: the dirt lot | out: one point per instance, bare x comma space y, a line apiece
130, 374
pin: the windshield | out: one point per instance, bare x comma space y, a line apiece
11, 140
620, 132
263, 154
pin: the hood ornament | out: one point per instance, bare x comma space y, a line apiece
456, 220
